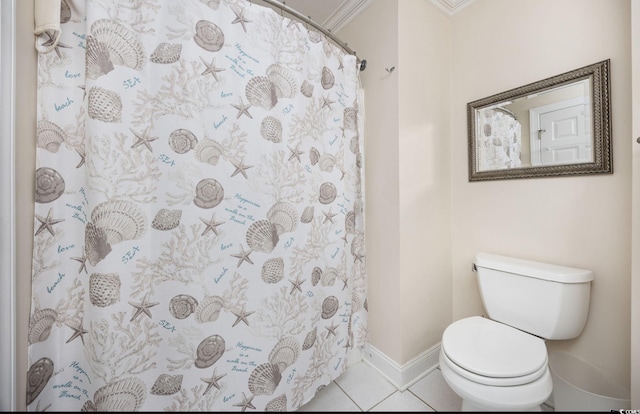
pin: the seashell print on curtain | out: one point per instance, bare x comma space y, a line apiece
199, 229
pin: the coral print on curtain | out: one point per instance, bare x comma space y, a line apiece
199, 237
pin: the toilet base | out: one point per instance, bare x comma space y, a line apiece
480, 397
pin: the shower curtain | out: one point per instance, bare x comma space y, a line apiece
199, 228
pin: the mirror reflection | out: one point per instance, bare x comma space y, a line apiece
557, 126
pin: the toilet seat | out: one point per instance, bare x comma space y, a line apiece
491, 353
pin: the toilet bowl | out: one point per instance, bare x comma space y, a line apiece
505, 369
499, 361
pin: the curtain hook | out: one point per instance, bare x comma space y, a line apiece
282, 9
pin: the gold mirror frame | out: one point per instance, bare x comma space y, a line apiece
598, 75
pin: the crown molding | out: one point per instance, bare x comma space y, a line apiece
450, 7
344, 14
351, 8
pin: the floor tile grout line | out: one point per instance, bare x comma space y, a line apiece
348, 396
415, 395
380, 402
378, 373
385, 398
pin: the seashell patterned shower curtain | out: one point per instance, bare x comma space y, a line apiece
199, 230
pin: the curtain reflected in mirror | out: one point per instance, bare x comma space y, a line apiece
500, 143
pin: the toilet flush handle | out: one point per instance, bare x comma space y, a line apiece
473, 267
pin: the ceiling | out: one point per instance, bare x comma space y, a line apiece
335, 14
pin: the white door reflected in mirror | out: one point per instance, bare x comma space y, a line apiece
562, 133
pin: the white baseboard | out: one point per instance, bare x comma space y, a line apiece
402, 377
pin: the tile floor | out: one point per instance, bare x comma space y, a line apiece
364, 388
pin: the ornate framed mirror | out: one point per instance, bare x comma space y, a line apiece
554, 127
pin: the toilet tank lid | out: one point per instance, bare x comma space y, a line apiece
540, 270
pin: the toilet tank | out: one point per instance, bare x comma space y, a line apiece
546, 300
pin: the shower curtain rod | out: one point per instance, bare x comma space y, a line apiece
295, 13
506, 111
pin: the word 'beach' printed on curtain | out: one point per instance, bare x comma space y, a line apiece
199, 231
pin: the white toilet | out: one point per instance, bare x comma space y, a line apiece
499, 362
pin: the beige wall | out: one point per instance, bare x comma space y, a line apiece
424, 74
581, 221
635, 244
407, 173
375, 38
